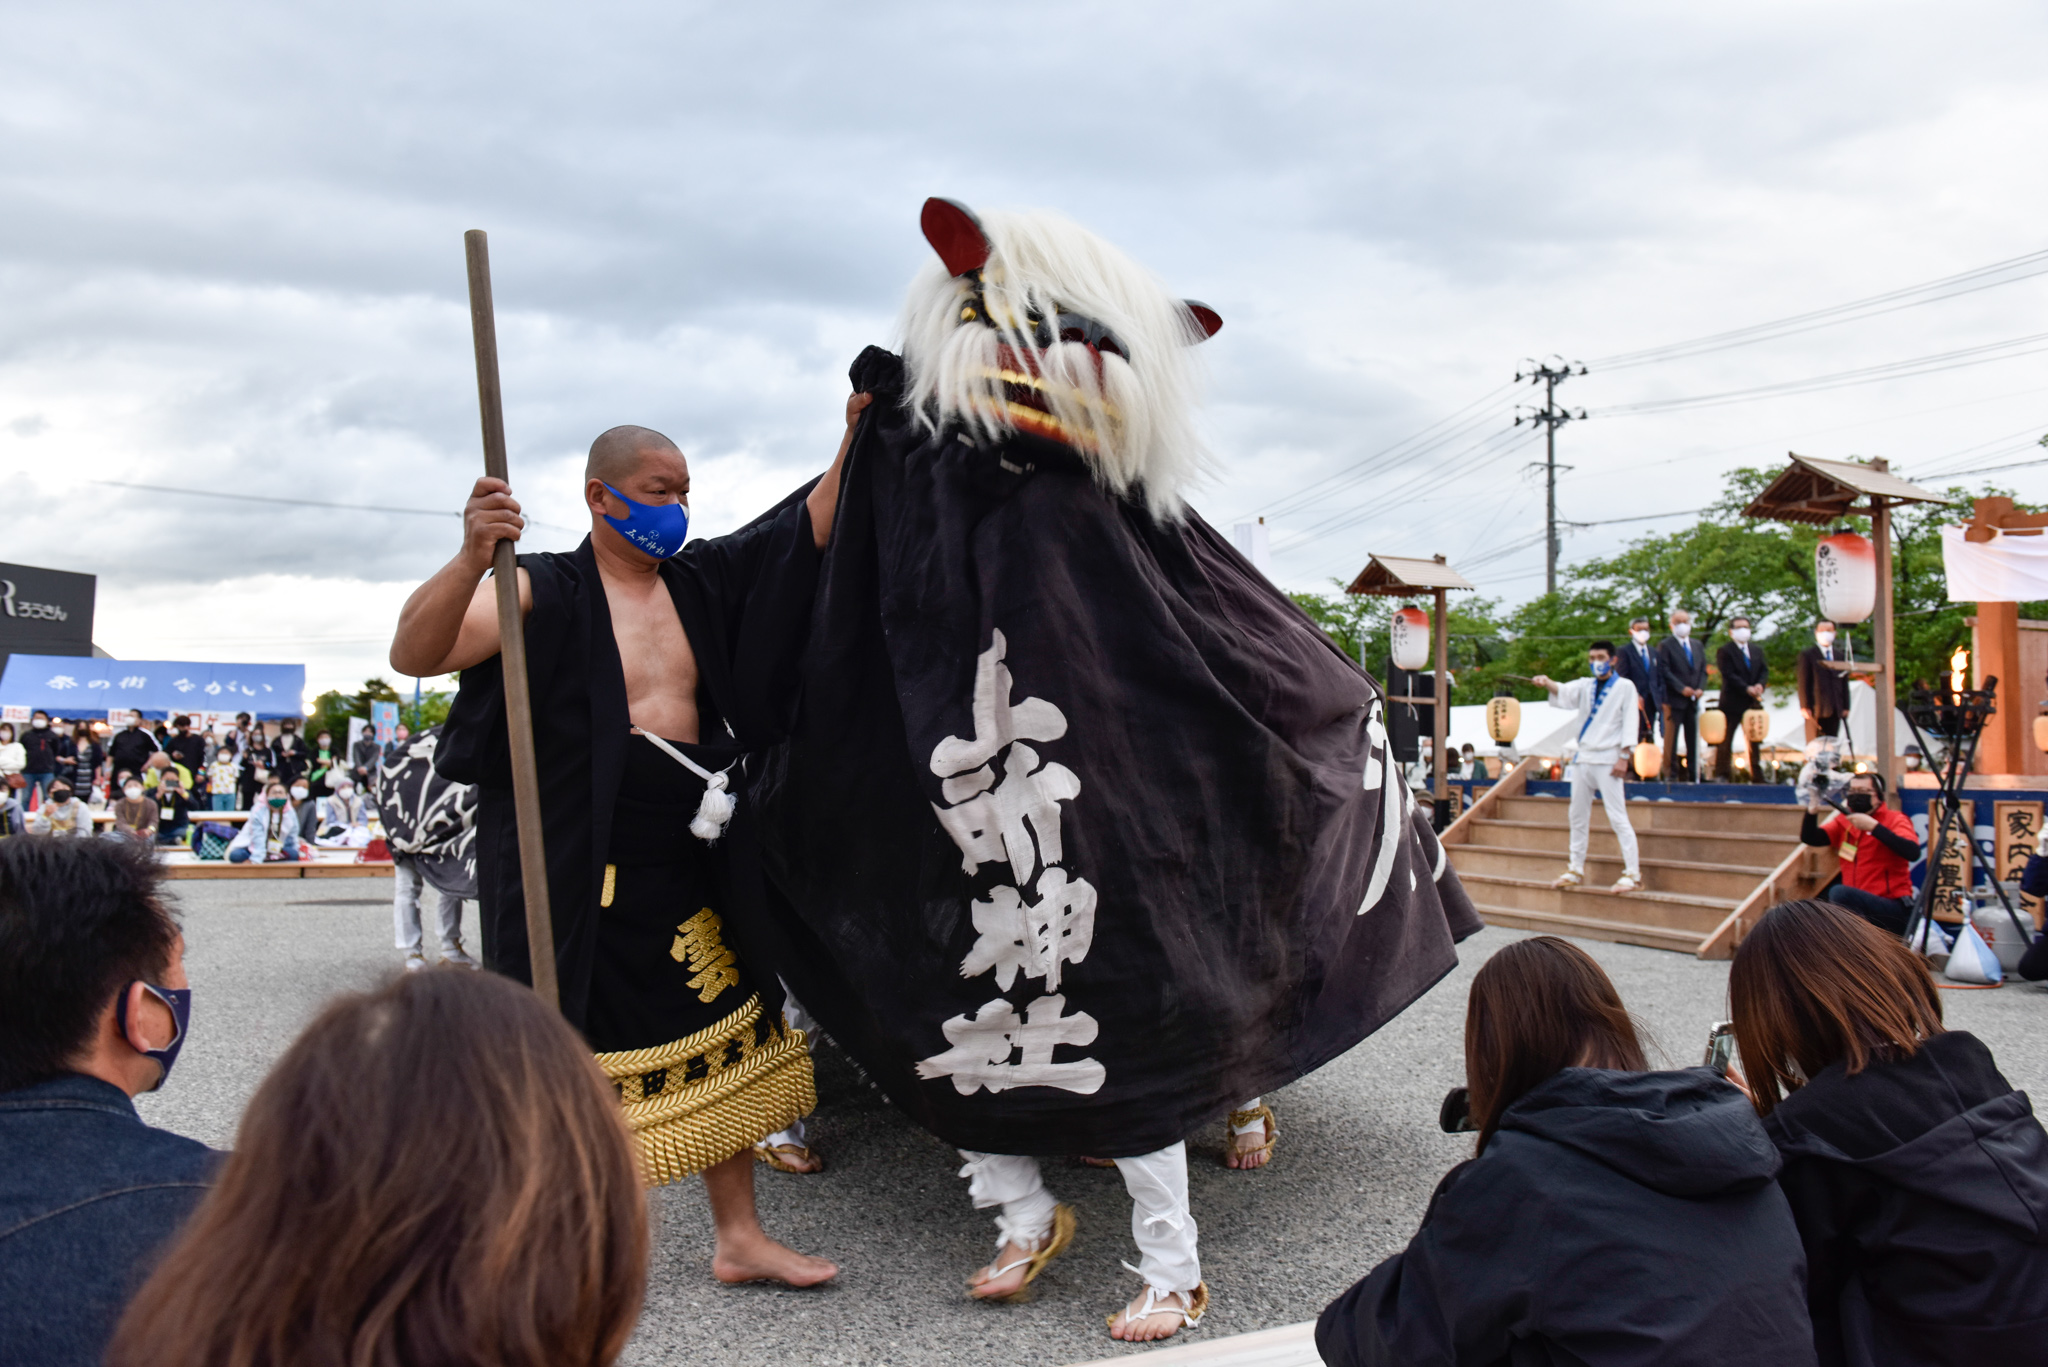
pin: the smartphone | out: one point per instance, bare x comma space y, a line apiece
1456, 1115
1721, 1047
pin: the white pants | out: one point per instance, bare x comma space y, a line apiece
1161, 1223
1584, 779
796, 1018
406, 884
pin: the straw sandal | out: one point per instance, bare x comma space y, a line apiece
1156, 1302
1265, 1150
1056, 1240
777, 1156
1570, 878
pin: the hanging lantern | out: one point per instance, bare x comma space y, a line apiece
1757, 726
1713, 726
1504, 720
1845, 577
1648, 760
1410, 630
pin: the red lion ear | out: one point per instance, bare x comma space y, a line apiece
1206, 318
955, 234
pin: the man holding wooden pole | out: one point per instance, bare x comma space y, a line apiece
652, 668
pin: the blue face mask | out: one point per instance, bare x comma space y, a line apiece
179, 1000
656, 528
1601, 668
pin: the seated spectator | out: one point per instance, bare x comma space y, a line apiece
63, 816
174, 812
224, 776
435, 1173
1612, 1215
305, 811
93, 1007
271, 834
1918, 1176
39, 752
343, 820
1876, 845
135, 815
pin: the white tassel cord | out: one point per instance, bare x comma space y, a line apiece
717, 807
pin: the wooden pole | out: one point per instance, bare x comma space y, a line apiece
533, 860
1440, 729
1881, 628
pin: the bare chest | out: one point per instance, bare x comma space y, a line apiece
654, 654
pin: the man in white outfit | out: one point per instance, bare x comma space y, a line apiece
1606, 708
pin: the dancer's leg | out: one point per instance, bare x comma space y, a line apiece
745, 1253
1164, 1230
1012, 1182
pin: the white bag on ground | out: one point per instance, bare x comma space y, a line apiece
1971, 961
1930, 939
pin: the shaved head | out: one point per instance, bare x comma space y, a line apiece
616, 454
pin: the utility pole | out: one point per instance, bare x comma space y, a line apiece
1550, 374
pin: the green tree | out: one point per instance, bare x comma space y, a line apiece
331, 710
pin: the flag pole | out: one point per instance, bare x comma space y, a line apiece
533, 863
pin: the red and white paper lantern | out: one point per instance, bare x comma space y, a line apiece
1845, 577
1411, 638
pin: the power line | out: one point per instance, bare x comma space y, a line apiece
1890, 370
307, 502
1949, 287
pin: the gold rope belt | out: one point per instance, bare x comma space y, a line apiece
712, 1094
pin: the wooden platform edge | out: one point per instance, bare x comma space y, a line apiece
1512, 784
1796, 875
216, 869
1292, 1345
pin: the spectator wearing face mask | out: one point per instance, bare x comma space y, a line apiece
289, 758
93, 1010
342, 820
255, 777
363, 758
1823, 692
87, 755
39, 753
1682, 670
224, 776
399, 736
186, 747
135, 813
1744, 672
1605, 707
271, 834
63, 815
305, 811
132, 745
13, 759
1877, 847
324, 763
174, 812
1637, 663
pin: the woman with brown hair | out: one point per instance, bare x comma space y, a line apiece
1612, 1215
435, 1173
1918, 1176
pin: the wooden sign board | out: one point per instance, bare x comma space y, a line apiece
2017, 831
1454, 805
1952, 873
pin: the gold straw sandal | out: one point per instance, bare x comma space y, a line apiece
1265, 1150
777, 1156
1155, 1302
1056, 1240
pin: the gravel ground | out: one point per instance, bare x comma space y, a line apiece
1358, 1155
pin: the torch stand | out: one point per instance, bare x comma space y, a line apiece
1957, 716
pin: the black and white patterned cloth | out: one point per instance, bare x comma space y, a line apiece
427, 818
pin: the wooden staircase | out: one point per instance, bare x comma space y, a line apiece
1709, 868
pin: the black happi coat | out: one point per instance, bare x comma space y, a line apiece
1921, 1190
1168, 744
1615, 1220
743, 601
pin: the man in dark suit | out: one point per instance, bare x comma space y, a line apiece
1744, 672
1823, 692
1682, 677
1637, 663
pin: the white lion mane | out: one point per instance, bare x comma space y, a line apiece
1040, 261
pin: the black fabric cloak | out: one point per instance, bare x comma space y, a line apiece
1085, 833
743, 600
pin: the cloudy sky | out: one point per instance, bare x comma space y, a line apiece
230, 260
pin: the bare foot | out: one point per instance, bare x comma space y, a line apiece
984, 1287
1248, 1150
762, 1259
1163, 1323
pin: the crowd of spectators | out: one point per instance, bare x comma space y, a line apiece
436, 1171
158, 780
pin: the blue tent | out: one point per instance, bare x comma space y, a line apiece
82, 686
